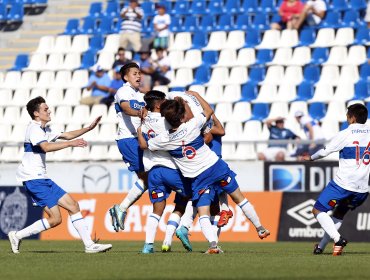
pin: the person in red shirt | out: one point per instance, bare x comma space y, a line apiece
289, 12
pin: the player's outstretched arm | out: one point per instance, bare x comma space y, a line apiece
125, 106
69, 135
56, 146
142, 143
217, 128
207, 109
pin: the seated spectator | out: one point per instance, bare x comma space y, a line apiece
289, 12
161, 23
314, 11
121, 58
114, 86
162, 73
147, 69
277, 152
99, 84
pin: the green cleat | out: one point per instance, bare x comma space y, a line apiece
182, 233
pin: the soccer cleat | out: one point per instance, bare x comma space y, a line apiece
224, 218
263, 233
120, 216
114, 219
182, 234
98, 248
14, 242
166, 248
317, 250
214, 250
339, 246
148, 248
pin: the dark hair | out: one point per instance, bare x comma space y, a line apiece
126, 68
34, 105
120, 49
358, 111
152, 97
173, 111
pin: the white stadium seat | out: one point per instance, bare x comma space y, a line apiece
11, 115
238, 75
55, 62
28, 80
323, 93
217, 41
21, 97
224, 111
219, 76
286, 92
227, 58
231, 93
235, 40
349, 74
182, 42
344, 37
246, 56
356, 55
183, 77
325, 38
46, 45
301, 56
71, 61
267, 94
12, 80
242, 111
274, 75
11, 154
270, 40
344, 92
106, 60
37, 62
62, 44
177, 59
79, 79
46, 80
336, 111
192, 58
80, 44
5, 132
62, 79
288, 38
329, 75
337, 56
214, 94
282, 57
111, 43
278, 109
54, 97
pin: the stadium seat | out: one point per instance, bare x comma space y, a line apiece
235, 40
210, 58
148, 8
224, 111
282, 57
89, 26
260, 111
54, 62
46, 45
311, 74
72, 27
39, 92
95, 10
11, 115
241, 112
264, 56
344, 37
20, 97
319, 56
175, 25
11, 154
267, 6
278, 109
274, 75
106, 26
344, 92
15, 13
336, 111
192, 58
12, 80
288, 38
88, 60
62, 44
55, 97
71, 61
260, 21
176, 58
252, 130
213, 94
232, 7
358, 4
6, 100
246, 57
249, 92
28, 80
317, 110
227, 58
217, 40
249, 6
37, 62
238, 75
111, 43
323, 93
325, 38
201, 89
252, 39
231, 93
202, 75
72, 97
365, 72
198, 7
337, 56
267, 94
181, 7
362, 91
219, 76
215, 7
305, 92
225, 23
182, 41
233, 130
286, 92
307, 37
3, 13
300, 56
338, 5
62, 79
329, 75
200, 40
351, 18
183, 77
297, 106
362, 36
79, 79
112, 9
46, 80
21, 62
96, 43
330, 129
105, 60
5, 133
331, 20
257, 74
228, 149
190, 24
349, 73
270, 40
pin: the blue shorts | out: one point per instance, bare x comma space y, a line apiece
44, 192
218, 177
131, 153
334, 195
206, 198
163, 180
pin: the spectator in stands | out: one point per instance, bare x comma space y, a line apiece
313, 132
314, 11
146, 69
289, 12
114, 86
162, 65
367, 16
277, 152
161, 23
99, 84
121, 58
131, 26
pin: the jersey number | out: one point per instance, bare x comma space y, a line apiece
365, 157
188, 151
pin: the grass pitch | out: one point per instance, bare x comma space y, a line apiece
283, 260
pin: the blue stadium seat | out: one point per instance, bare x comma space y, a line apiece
190, 24
362, 36
249, 6
207, 23
368, 53
112, 10
200, 40
358, 4
88, 26
88, 60
148, 8
242, 22
368, 109
96, 9
276, 18
317, 110
177, 89
319, 56
305, 92
16, 13
311, 74
232, 7
147, 29
198, 7
352, 19
72, 27
96, 43
343, 125
3, 13
117, 25
362, 90
267, 6
257, 74
252, 38
105, 26
332, 19
175, 25
167, 5
225, 23
365, 72
181, 7
21, 62
210, 57
260, 111
215, 7
249, 92
338, 5
264, 56
307, 37
202, 75
261, 21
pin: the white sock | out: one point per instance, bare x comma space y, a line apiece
214, 220
35, 228
134, 194
223, 201
328, 225
326, 238
250, 213
207, 229
151, 227
172, 225
189, 215
79, 224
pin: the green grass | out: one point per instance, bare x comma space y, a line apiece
283, 260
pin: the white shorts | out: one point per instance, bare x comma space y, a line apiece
270, 153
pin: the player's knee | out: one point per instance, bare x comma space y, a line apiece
55, 221
315, 211
74, 207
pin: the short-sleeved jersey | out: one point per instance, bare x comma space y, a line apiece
353, 145
161, 21
191, 100
317, 131
131, 22
127, 125
280, 134
186, 146
154, 124
33, 162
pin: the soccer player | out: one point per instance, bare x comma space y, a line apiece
129, 105
163, 176
196, 161
349, 189
39, 140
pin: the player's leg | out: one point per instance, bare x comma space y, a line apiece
215, 217
187, 220
225, 213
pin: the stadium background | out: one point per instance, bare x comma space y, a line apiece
220, 48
